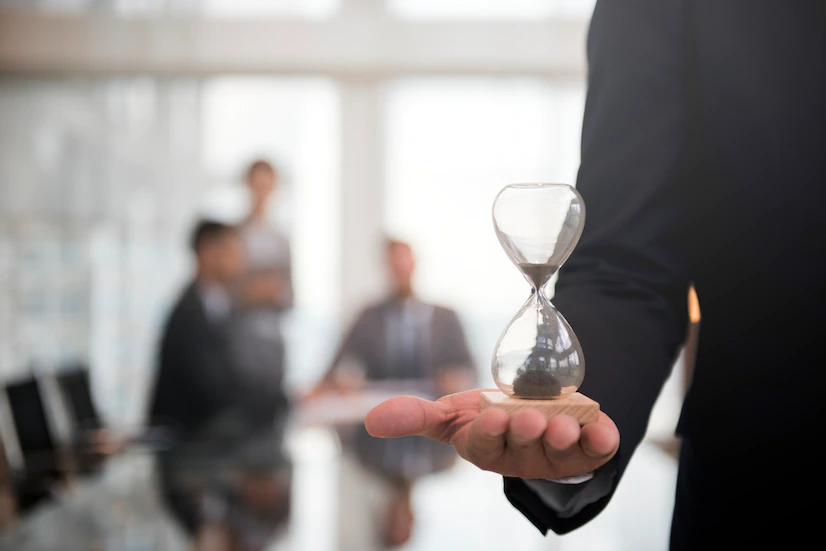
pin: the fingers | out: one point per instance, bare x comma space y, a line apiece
525, 456
486, 438
599, 439
556, 447
406, 416
526, 428
562, 433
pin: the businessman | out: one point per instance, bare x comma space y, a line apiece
226, 479
401, 340
702, 162
195, 364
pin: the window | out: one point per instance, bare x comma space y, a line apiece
452, 144
103, 180
490, 9
309, 9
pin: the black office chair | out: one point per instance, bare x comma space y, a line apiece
76, 388
45, 464
84, 420
86, 424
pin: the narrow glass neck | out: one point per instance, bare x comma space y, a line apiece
539, 300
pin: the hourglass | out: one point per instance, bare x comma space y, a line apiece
538, 361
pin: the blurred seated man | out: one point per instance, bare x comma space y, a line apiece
420, 346
226, 479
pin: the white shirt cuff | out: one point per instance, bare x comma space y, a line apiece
578, 479
568, 496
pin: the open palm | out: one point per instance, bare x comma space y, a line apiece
524, 444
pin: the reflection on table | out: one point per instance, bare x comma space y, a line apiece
148, 491
120, 506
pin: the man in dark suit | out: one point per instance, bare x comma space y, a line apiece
418, 347
195, 362
702, 162
226, 478
192, 385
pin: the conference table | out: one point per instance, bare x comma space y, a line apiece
120, 508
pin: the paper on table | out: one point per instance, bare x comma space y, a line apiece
349, 409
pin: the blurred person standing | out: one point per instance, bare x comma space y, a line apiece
417, 346
263, 294
225, 479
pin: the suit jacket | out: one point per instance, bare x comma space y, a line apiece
442, 344
439, 344
193, 381
703, 161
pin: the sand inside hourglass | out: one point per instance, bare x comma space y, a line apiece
538, 274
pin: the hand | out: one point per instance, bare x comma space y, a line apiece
104, 442
523, 445
263, 289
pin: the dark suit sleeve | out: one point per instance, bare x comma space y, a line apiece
624, 290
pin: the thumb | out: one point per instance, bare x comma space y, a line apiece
406, 416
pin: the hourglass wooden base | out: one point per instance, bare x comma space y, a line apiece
577, 405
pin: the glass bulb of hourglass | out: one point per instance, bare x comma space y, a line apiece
538, 355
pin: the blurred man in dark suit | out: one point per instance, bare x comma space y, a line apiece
226, 479
702, 162
195, 363
417, 347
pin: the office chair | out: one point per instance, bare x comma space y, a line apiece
76, 388
86, 425
83, 418
44, 463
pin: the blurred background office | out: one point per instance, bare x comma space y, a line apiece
123, 122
